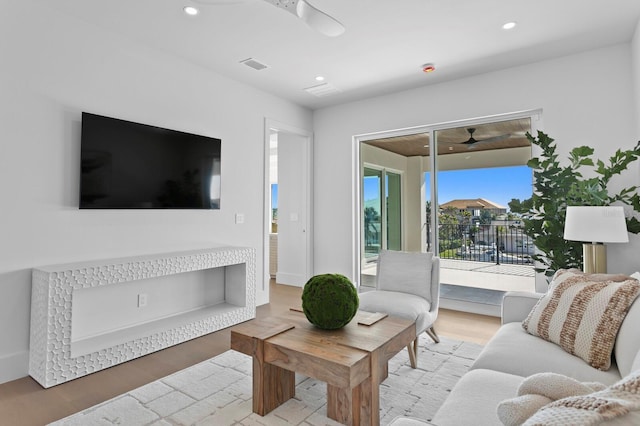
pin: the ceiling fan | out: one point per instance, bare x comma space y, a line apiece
302, 9
473, 142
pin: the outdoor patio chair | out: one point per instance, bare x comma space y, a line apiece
407, 286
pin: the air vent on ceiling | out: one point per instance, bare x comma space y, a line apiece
324, 89
254, 63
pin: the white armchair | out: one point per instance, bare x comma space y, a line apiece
407, 286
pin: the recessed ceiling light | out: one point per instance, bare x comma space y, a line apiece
509, 26
319, 78
190, 10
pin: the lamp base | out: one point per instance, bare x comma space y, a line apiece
594, 258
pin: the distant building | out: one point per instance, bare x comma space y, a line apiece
475, 206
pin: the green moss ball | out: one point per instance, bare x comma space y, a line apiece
329, 301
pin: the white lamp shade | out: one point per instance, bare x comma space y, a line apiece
597, 224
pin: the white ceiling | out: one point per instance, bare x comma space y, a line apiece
384, 45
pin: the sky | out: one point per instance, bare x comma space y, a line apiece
274, 195
497, 184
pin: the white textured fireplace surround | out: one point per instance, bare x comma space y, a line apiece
86, 316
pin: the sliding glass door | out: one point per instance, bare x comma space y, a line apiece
446, 188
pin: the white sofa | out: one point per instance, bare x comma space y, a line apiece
513, 354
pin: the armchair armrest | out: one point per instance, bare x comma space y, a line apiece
516, 305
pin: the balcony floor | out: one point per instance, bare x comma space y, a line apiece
475, 287
503, 277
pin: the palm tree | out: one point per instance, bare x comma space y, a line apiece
371, 218
485, 217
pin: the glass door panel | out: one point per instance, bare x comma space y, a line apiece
381, 217
479, 169
394, 211
427, 226
372, 212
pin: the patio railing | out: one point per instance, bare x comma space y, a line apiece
485, 243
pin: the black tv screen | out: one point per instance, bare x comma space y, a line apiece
126, 165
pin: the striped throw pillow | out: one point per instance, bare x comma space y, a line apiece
582, 313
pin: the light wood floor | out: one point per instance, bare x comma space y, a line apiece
25, 402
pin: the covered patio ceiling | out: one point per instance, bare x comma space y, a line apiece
468, 139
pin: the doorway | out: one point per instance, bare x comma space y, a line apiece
427, 154
288, 256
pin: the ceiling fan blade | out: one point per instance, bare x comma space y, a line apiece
489, 140
318, 20
313, 17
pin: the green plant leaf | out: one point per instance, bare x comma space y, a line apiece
633, 225
557, 185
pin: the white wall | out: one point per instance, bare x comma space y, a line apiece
54, 67
635, 55
582, 101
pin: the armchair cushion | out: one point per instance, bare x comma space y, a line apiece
414, 308
582, 313
405, 272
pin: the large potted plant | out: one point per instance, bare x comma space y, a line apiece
583, 181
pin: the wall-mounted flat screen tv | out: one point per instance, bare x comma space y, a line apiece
127, 165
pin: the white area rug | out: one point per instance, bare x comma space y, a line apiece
218, 392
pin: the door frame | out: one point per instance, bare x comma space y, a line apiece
271, 125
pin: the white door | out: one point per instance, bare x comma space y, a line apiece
294, 220
292, 213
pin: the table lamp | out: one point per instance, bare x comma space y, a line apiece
594, 226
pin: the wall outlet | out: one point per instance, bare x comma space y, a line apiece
143, 298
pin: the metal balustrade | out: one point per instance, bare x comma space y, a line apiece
498, 244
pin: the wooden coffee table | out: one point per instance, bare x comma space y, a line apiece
351, 360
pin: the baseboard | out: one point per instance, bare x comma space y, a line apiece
290, 279
472, 307
14, 366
